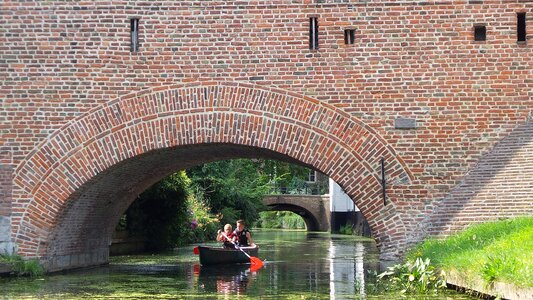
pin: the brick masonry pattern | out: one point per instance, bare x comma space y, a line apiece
66, 70
211, 113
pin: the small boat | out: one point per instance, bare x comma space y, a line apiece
216, 256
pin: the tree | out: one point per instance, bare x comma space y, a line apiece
160, 213
235, 188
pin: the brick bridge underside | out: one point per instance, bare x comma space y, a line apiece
86, 125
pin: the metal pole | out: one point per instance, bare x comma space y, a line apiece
383, 181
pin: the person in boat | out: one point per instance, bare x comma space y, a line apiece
243, 237
229, 234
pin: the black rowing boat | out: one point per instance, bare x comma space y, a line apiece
217, 256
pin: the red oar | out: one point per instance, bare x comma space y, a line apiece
255, 264
253, 260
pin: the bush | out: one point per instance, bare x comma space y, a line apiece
346, 229
169, 214
414, 277
203, 225
280, 219
22, 267
160, 213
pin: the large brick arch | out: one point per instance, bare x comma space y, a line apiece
79, 181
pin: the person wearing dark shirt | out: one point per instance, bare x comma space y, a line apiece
243, 236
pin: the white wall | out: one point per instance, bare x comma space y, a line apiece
339, 201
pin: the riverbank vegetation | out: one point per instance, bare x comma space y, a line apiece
413, 276
280, 220
20, 266
498, 251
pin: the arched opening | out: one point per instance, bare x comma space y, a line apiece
311, 222
77, 184
189, 206
103, 200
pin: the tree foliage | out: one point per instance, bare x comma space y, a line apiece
281, 219
234, 189
160, 212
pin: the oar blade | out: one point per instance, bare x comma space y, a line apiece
255, 268
256, 262
196, 250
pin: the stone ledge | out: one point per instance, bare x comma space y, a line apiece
76, 260
498, 289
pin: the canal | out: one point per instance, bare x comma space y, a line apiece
298, 265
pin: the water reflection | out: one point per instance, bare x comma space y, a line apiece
225, 279
298, 265
316, 264
347, 268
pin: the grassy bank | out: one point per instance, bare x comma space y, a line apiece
499, 251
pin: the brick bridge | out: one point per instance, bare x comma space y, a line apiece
86, 124
314, 209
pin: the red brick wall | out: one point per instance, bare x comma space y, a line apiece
67, 61
499, 186
102, 160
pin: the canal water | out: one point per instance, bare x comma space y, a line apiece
298, 265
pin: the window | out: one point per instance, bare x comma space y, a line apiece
313, 33
480, 33
312, 176
349, 36
134, 28
521, 27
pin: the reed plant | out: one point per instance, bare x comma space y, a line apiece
346, 229
417, 276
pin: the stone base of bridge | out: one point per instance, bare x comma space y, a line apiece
6, 245
76, 260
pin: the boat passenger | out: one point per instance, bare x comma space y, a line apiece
229, 234
242, 234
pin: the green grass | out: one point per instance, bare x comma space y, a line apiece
496, 251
